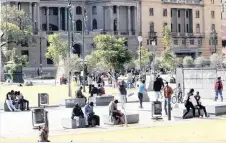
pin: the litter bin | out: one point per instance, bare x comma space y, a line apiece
157, 109
39, 117
43, 99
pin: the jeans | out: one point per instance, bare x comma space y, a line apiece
189, 105
219, 92
167, 101
10, 105
21, 103
140, 97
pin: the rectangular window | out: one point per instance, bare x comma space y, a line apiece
171, 27
44, 10
200, 41
179, 28
49, 61
213, 27
186, 13
212, 1
165, 12
197, 28
197, 14
192, 42
175, 42
151, 11
25, 53
178, 13
187, 28
55, 11
212, 14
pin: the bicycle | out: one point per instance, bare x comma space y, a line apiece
177, 98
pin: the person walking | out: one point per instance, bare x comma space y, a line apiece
141, 91
218, 87
188, 104
168, 91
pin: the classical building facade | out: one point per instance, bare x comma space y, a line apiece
195, 25
223, 22
119, 18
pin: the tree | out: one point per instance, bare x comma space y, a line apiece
167, 55
146, 57
112, 51
201, 62
188, 61
216, 60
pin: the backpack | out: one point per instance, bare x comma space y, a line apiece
219, 85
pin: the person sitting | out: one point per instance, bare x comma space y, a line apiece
9, 102
199, 104
77, 112
115, 113
91, 118
94, 90
79, 93
21, 101
101, 90
44, 134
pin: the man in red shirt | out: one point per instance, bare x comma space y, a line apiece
168, 91
218, 87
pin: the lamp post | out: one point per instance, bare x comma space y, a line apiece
153, 62
83, 42
140, 40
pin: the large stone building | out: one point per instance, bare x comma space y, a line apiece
195, 25
223, 22
118, 18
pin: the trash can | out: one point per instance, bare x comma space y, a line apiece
39, 117
156, 109
43, 99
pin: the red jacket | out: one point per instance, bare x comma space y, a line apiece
216, 85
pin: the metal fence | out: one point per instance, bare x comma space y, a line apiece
201, 79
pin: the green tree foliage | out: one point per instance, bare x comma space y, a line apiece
146, 57
112, 52
16, 26
168, 57
188, 61
216, 60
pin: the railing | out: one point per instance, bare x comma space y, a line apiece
183, 1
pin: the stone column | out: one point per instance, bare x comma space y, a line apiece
104, 18
30, 10
129, 20
118, 28
136, 22
37, 18
111, 18
59, 24
65, 18
47, 19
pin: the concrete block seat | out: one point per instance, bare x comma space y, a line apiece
103, 100
132, 118
69, 123
179, 112
70, 102
217, 109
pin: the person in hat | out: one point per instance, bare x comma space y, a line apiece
91, 119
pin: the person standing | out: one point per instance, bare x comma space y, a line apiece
90, 82
188, 104
168, 91
141, 91
157, 87
218, 89
123, 91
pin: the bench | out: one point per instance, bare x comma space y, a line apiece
216, 109
179, 112
69, 123
101, 100
70, 103
132, 118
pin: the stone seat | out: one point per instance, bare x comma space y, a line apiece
69, 123
219, 109
103, 100
70, 103
132, 118
179, 112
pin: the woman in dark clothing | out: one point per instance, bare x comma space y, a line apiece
188, 104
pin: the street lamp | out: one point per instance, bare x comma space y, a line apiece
140, 40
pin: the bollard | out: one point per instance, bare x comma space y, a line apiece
169, 110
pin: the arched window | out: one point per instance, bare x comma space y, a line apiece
152, 28
114, 9
78, 25
94, 24
19, 6
78, 10
94, 10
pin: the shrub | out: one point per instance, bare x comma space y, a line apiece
201, 62
188, 61
216, 60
